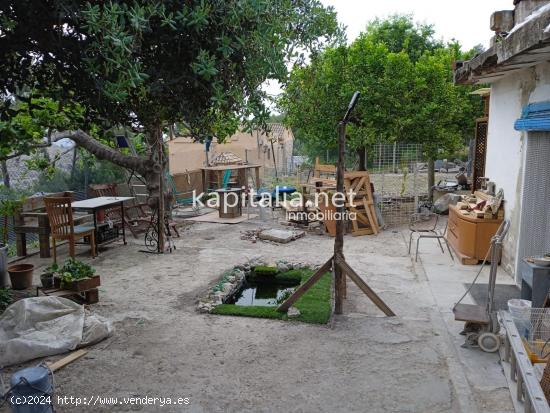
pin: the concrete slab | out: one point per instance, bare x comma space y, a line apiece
280, 236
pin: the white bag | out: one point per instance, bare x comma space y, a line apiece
44, 326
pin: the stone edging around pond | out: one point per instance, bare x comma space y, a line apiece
232, 280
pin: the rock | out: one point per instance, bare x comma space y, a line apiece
227, 287
293, 312
204, 308
231, 279
282, 267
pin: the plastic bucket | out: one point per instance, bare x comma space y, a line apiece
34, 386
520, 310
21, 276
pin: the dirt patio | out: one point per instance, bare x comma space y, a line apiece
363, 361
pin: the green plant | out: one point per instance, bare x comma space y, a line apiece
224, 278
74, 270
5, 298
284, 296
8, 208
51, 269
265, 270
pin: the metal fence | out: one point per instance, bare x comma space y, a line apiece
398, 172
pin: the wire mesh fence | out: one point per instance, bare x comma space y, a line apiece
398, 172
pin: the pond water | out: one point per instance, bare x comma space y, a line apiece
260, 294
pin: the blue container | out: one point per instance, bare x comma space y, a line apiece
32, 390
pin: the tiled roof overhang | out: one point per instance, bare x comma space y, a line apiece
527, 46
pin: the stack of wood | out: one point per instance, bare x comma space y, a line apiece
361, 203
482, 206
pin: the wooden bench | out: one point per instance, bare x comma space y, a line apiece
32, 218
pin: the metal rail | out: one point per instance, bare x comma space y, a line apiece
521, 369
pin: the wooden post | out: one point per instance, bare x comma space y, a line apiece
339, 277
337, 262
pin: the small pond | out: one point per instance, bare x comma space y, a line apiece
265, 294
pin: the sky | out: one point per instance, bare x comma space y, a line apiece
465, 20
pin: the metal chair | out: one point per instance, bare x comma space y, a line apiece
425, 225
60, 215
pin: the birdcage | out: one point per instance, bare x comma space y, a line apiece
533, 325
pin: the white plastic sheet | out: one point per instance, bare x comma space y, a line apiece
44, 326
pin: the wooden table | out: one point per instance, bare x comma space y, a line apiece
219, 170
101, 203
470, 237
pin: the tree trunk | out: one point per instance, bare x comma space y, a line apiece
151, 168
5, 174
431, 179
362, 154
154, 179
101, 151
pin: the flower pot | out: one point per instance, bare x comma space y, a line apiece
21, 276
3, 265
46, 280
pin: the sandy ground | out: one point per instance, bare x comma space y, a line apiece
362, 362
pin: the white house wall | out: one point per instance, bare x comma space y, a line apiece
505, 145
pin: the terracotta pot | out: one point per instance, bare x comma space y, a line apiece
21, 276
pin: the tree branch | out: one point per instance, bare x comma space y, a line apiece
102, 151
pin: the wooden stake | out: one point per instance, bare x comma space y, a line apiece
339, 278
337, 261
305, 286
56, 365
347, 270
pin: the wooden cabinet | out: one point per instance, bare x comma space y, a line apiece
470, 237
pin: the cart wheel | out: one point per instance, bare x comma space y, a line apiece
489, 342
471, 340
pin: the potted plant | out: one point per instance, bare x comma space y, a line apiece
46, 278
76, 276
21, 276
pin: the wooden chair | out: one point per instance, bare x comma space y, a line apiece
60, 215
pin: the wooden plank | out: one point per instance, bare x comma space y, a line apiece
364, 287
362, 231
301, 290
472, 313
355, 174
357, 184
66, 360
372, 218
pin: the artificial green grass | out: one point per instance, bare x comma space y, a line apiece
265, 270
315, 305
291, 277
